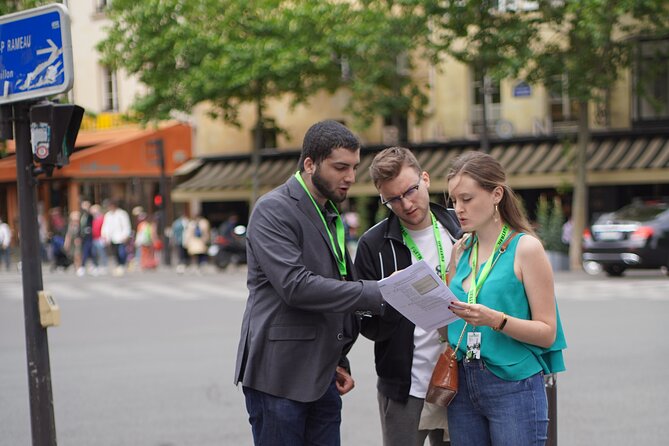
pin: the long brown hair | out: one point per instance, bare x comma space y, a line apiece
489, 173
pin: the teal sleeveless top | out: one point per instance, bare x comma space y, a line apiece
505, 357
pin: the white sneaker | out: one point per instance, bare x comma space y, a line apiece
81, 271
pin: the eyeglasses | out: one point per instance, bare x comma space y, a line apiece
407, 194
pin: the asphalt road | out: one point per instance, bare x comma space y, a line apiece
147, 360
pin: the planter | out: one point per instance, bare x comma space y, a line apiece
559, 260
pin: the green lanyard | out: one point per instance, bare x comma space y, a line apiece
339, 226
476, 285
440, 247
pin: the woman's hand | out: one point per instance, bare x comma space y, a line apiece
477, 315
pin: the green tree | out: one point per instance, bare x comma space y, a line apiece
223, 52
590, 43
9, 6
495, 43
381, 43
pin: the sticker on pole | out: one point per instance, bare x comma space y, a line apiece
35, 54
40, 136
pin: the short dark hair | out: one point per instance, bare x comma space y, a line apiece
322, 138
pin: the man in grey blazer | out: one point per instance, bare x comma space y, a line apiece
303, 295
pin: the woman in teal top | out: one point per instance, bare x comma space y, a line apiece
510, 333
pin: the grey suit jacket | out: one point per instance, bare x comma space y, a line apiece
299, 314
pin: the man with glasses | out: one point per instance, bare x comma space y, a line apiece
405, 354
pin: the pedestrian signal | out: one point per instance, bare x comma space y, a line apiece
53, 131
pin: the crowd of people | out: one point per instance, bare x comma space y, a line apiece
105, 238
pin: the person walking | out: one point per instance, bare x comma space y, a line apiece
178, 235
116, 232
510, 325
86, 236
196, 240
145, 238
299, 320
5, 244
405, 354
99, 248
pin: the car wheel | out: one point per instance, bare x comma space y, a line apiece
614, 270
592, 268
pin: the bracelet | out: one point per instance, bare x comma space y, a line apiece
501, 325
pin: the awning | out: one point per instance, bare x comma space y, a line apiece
119, 153
614, 158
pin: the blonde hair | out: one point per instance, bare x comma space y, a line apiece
388, 164
489, 174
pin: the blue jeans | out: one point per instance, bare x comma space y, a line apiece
282, 422
491, 411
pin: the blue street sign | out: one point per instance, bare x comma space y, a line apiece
35, 54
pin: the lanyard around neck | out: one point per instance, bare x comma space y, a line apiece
476, 285
339, 226
440, 247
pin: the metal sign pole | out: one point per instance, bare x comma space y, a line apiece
37, 344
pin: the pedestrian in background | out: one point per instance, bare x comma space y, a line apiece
196, 240
513, 334
116, 232
86, 235
72, 242
99, 248
405, 355
178, 234
5, 244
145, 238
299, 321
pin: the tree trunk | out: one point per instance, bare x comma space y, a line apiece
579, 207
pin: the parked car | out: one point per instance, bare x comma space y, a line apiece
635, 236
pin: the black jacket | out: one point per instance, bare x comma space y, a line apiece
381, 251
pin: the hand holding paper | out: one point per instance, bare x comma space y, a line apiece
420, 295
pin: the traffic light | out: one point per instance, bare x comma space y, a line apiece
53, 131
158, 201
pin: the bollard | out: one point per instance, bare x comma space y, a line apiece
550, 381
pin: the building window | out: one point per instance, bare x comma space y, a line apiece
269, 134
491, 97
109, 90
563, 110
651, 95
102, 5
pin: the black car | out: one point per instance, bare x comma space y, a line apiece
635, 236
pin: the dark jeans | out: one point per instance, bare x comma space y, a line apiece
118, 249
87, 251
283, 422
5, 256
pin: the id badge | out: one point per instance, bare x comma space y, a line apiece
473, 345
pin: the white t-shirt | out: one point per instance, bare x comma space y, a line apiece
426, 344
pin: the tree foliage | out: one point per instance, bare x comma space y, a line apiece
9, 6
226, 52
382, 43
590, 43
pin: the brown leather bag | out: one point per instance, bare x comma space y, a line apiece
444, 382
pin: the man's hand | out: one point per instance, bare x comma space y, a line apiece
344, 381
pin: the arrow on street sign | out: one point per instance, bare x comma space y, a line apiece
35, 54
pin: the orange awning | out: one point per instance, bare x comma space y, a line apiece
119, 153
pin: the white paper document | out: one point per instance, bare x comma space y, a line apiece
420, 295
